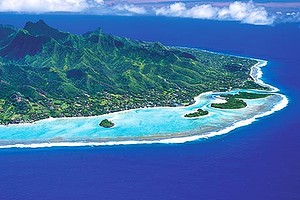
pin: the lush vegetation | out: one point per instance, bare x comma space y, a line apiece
106, 123
231, 103
198, 113
247, 95
48, 73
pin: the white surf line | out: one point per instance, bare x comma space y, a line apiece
256, 74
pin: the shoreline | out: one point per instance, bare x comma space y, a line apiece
51, 119
255, 72
176, 140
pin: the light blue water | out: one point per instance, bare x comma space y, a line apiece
145, 124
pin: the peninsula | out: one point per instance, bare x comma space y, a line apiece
45, 72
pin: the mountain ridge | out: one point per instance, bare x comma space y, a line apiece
45, 72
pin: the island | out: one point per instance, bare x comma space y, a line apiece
234, 101
198, 113
231, 103
246, 95
106, 123
45, 72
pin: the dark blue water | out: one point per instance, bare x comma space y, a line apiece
260, 161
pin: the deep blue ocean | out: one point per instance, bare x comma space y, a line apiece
260, 161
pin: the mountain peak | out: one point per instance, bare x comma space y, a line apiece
40, 28
42, 23
37, 27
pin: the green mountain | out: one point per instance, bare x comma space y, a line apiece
45, 73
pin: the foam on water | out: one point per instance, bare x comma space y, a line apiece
256, 73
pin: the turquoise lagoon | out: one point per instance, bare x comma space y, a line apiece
145, 125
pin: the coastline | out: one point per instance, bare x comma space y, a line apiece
255, 73
175, 140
